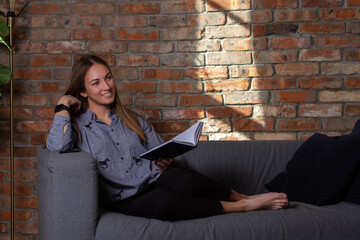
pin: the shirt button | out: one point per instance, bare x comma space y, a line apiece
112, 130
122, 158
118, 144
127, 171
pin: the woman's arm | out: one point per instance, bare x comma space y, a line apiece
61, 136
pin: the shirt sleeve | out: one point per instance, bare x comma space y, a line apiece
57, 140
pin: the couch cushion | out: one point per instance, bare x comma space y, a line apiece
321, 170
299, 221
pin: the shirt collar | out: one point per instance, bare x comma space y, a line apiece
89, 116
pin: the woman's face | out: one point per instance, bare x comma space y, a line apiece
99, 87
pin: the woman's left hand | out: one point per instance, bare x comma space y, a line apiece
164, 163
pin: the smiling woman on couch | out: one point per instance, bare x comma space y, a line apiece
91, 117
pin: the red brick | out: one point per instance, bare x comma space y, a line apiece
353, 27
273, 83
340, 68
152, 47
62, 74
337, 41
33, 126
38, 138
184, 6
184, 60
24, 177
247, 97
51, 60
280, 29
138, 60
282, 110
207, 73
227, 85
199, 46
289, 42
296, 15
201, 100
238, 136
322, 3
125, 21
340, 14
294, 96
26, 227
252, 71
352, 55
228, 31
95, 8
320, 82
148, 113
93, 34
170, 127
320, 55
180, 87
221, 5
155, 100
275, 136
29, 47
323, 28
228, 58
352, 110
24, 152
50, 34
108, 46
185, 33
4, 228
353, 82
65, 46
78, 20
353, 3
274, 56
285, 125
218, 18
215, 126
266, 124
227, 112
339, 96
48, 9
37, 21
320, 110
31, 100
125, 73
240, 44
274, 4
162, 74
185, 113
136, 34
339, 124
259, 16
168, 21
28, 74
292, 69
19, 113
136, 87
138, 8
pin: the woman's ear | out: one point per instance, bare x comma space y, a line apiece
83, 94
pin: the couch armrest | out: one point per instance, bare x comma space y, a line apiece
67, 195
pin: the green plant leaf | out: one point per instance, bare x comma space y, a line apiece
5, 74
4, 29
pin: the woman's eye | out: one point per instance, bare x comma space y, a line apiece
94, 83
109, 77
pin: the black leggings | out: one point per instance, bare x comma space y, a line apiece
178, 194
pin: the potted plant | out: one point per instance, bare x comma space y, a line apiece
5, 73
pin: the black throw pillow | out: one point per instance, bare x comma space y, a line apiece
321, 171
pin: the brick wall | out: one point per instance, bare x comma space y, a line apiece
250, 69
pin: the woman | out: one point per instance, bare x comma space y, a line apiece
91, 117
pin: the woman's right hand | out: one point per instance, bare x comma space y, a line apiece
70, 102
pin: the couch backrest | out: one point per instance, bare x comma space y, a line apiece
243, 165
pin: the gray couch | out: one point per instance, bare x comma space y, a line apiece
68, 200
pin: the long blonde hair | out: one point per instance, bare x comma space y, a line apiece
77, 85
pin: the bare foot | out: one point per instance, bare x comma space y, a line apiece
270, 200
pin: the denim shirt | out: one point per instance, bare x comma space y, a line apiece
116, 148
